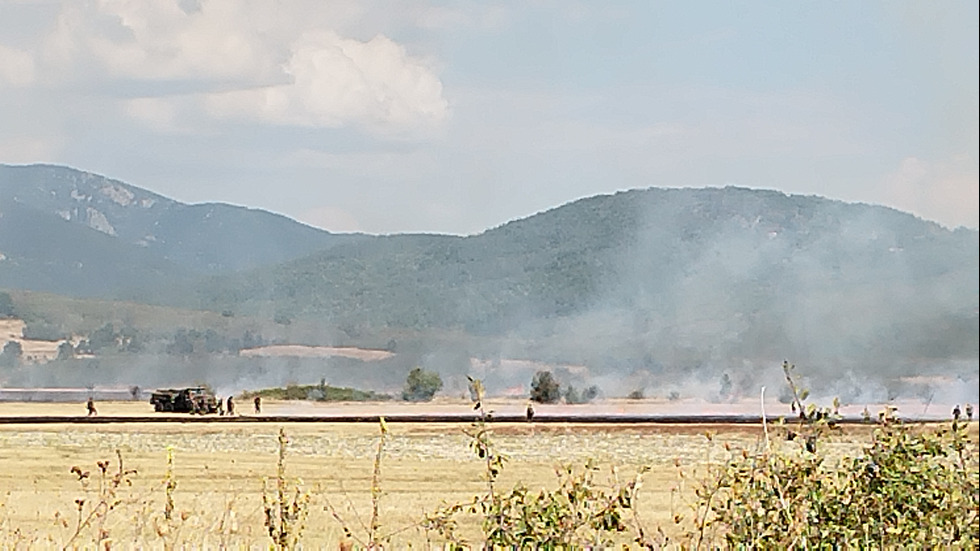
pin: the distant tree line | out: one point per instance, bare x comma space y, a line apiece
107, 339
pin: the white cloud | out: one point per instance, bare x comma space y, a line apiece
252, 60
336, 79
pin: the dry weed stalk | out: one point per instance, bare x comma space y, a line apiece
103, 501
285, 516
373, 539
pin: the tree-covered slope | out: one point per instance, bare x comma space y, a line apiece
660, 277
655, 280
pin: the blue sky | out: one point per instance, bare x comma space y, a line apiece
454, 117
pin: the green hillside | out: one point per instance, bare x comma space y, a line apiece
666, 277
643, 287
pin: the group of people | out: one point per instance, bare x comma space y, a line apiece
957, 413
228, 406
224, 406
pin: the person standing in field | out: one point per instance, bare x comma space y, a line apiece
258, 404
231, 406
90, 406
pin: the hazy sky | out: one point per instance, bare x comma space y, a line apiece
454, 117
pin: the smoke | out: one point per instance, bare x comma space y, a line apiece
732, 281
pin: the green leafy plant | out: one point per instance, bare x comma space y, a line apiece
580, 512
912, 486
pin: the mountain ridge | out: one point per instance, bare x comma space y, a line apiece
195, 239
657, 281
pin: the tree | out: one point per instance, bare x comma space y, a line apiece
129, 340
66, 351
10, 356
726, 387
573, 396
421, 385
182, 345
103, 337
6, 305
545, 388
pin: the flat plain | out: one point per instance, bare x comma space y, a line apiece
221, 469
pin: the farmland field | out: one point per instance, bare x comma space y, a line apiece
220, 469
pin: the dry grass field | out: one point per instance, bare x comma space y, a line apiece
220, 467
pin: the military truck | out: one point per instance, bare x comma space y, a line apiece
185, 400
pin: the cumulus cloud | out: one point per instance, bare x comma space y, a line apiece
334, 79
946, 191
248, 60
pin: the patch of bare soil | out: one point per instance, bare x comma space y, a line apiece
34, 351
304, 351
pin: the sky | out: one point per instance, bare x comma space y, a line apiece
456, 117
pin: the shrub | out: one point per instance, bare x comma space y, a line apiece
573, 396
580, 513
295, 392
545, 388
421, 385
910, 488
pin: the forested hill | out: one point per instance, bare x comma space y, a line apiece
657, 280
656, 277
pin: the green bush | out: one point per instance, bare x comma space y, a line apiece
321, 393
545, 388
573, 396
421, 385
911, 487
582, 512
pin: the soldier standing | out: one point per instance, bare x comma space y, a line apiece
530, 412
969, 412
90, 406
231, 406
258, 404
